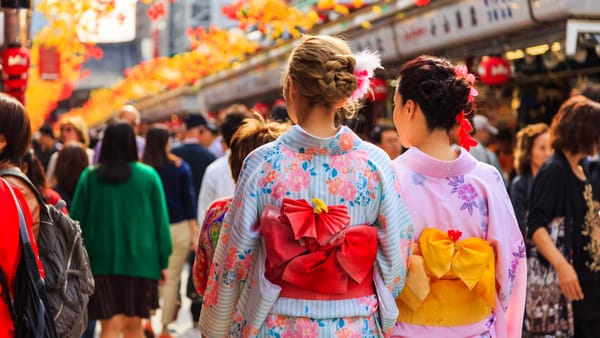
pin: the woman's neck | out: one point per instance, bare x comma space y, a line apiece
534, 170
319, 122
574, 160
437, 145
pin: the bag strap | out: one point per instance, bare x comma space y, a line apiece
16, 172
28, 255
6, 295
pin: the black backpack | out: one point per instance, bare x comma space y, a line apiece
69, 279
29, 306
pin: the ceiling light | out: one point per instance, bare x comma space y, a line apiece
514, 55
537, 50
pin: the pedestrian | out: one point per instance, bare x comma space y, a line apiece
121, 207
533, 149
316, 241
15, 137
563, 226
72, 129
176, 178
72, 160
467, 269
251, 134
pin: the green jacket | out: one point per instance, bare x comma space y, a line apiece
125, 226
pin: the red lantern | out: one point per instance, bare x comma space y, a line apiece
494, 70
15, 65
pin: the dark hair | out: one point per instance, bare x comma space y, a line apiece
33, 168
591, 91
432, 84
71, 161
16, 128
253, 133
117, 152
46, 130
575, 126
378, 131
155, 151
280, 114
525, 139
230, 124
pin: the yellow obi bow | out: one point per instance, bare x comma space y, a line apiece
444, 272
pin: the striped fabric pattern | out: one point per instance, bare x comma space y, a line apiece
341, 169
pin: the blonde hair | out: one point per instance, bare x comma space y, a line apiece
321, 68
253, 133
80, 126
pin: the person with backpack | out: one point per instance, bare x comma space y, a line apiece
15, 292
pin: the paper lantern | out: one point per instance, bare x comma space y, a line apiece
378, 89
494, 70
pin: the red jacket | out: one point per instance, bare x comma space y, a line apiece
10, 248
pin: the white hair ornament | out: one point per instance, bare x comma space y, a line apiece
364, 69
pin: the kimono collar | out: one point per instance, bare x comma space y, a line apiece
418, 161
298, 140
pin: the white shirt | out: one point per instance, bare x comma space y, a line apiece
217, 183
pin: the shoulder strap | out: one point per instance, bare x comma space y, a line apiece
15, 172
6, 295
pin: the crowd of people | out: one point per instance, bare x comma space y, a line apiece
294, 226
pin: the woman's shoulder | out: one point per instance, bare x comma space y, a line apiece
139, 168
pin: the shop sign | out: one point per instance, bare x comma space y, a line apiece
459, 23
49, 64
378, 39
494, 70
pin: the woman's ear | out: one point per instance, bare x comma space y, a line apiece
411, 109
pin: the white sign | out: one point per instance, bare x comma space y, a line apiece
379, 39
459, 23
118, 26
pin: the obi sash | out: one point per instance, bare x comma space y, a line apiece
449, 282
313, 253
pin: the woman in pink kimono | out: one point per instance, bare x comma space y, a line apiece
467, 270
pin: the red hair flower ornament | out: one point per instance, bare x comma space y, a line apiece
465, 128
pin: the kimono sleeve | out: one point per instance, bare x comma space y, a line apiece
511, 274
235, 249
394, 231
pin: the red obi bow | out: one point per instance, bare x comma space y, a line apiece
316, 251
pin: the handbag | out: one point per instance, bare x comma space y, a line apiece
547, 311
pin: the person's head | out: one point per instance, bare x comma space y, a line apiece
279, 113
196, 127
386, 137
46, 139
575, 127
74, 129
484, 130
533, 148
591, 91
33, 168
230, 124
131, 115
319, 73
15, 131
428, 97
72, 160
253, 133
157, 147
118, 150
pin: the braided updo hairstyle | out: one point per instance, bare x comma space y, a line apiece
432, 84
321, 68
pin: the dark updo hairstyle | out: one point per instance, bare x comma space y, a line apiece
321, 68
432, 84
